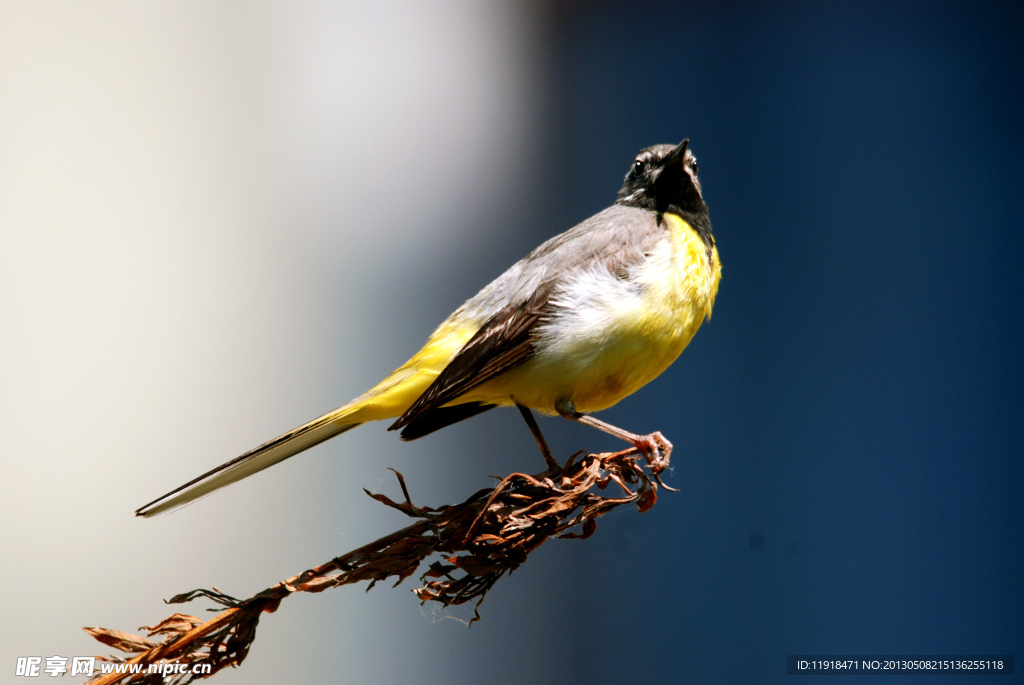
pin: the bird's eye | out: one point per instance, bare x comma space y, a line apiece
694, 167
638, 167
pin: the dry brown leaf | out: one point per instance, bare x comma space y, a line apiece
318, 584
588, 528
481, 539
176, 623
125, 642
646, 500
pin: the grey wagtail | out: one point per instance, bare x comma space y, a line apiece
584, 320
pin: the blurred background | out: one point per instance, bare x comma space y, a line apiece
219, 220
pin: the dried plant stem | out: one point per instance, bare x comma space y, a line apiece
479, 541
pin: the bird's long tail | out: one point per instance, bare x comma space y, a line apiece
388, 399
253, 461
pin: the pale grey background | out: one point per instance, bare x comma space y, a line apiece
217, 221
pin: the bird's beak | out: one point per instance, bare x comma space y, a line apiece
677, 155
673, 172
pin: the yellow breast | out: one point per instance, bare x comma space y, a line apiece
681, 280
680, 283
616, 337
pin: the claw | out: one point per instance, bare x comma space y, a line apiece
657, 479
657, 450
654, 447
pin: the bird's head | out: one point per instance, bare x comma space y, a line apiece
662, 176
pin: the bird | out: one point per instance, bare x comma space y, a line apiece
583, 321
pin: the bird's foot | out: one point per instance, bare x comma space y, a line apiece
656, 448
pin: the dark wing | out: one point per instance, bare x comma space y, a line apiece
504, 342
616, 239
436, 419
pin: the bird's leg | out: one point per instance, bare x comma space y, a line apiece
553, 466
654, 446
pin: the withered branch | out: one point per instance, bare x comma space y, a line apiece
478, 542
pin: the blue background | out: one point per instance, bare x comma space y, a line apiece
850, 422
